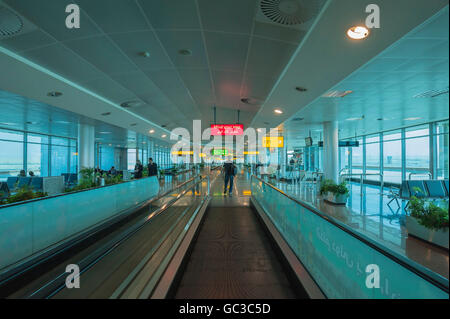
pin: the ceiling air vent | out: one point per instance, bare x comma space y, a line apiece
10, 23
432, 93
290, 12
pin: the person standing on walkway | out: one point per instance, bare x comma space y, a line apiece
138, 168
152, 167
229, 170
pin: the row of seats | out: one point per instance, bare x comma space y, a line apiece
70, 178
432, 189
18, 182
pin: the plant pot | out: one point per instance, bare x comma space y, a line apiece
437, 237
336, 199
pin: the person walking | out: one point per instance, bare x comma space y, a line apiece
229, 170
152, 167
138, 168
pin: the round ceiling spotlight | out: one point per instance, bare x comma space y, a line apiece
151, 131
358, 33
144, 54
185, 52
278, 111
164, 136
54, 94
130, 104
10, 23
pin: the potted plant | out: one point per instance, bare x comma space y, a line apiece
333, 193
428, 220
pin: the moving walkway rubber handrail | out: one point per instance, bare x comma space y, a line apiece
429, 276
106, 249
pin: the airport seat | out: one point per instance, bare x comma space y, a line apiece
23, 182
73, 178
11, 182
37, 183
435, 188
4, 190
417, 189
446, 186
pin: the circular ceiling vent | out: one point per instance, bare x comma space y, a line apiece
10, 23
290, 12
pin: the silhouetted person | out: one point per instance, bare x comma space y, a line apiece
22, 173
229, 170
152, 167
138, 168
113, 171
31, 173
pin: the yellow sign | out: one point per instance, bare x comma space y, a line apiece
273, 141
183, 153
251, 153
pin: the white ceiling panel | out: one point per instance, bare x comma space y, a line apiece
102, 53
132, 44
278, 33
115, 15
27, 41
55, 57
217, 14
173, 14
227, 51
50, 16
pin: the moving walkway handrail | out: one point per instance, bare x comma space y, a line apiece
419, 270
48, 289
419, 174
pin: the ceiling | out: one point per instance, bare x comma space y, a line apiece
385, 88
24, 114
235, 52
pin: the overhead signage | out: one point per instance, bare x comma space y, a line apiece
219, 151
273, 141
344, 144
227, 129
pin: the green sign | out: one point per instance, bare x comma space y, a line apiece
220, 152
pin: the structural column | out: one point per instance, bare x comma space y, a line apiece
331, 151
86, 146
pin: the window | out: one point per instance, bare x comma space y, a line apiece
417, 155
357, 158
11, 153
37, 154
373, 157
442, 150
392, 157
131, 158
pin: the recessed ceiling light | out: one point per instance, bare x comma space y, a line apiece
54, 94
105, 132
106, 113
144, 54
185, 52
278, 111
164, 136
355, 118
298, 119
358, 32
151, 131
3, 123
413, 118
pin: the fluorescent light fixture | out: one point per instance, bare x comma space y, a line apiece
105, 132
413, 118
151, 131
358, 33
164, 136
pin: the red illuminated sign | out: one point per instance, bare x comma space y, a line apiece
227, 129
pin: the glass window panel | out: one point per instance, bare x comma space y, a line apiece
416, 131
73, 160
373, 160
417, 156
442, 155
373, 138
11, 158
59, 159
36, 138
60, 141
392, 161
357, 158
106, 157
11, 135
37, 159
131, 158
392, 135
